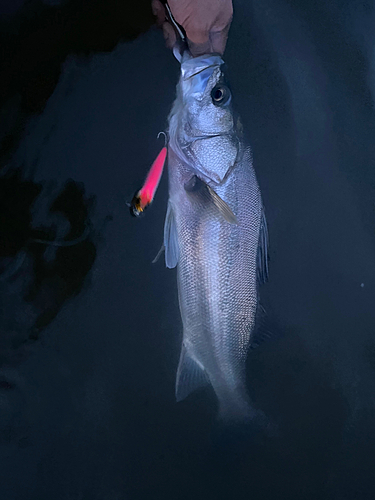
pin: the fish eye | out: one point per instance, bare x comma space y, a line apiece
220, 95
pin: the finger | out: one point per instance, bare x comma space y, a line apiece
219, 40
198, 41
159, 11
169, 35
198, 49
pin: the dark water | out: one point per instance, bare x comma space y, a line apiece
90, 333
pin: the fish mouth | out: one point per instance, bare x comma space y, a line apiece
195, 65
198, 70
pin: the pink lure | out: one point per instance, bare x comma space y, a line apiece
142, 198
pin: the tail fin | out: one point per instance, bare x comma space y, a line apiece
236, 410
242, 416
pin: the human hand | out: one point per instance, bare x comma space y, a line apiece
206, 23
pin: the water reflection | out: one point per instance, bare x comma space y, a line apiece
44, 257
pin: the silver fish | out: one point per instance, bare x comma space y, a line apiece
216, 234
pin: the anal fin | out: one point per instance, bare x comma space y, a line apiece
190, 376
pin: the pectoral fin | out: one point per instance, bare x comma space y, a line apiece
170, 239
190, 376
206, 196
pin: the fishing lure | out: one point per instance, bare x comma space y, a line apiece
143, 198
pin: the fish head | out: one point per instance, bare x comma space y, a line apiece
202, 127
206, 96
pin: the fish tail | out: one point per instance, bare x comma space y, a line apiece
238, 413
236, 410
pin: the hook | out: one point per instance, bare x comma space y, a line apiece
165, 138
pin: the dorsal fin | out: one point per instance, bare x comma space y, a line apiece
262, 257
265, 328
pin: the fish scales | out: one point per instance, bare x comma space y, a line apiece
213, 234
